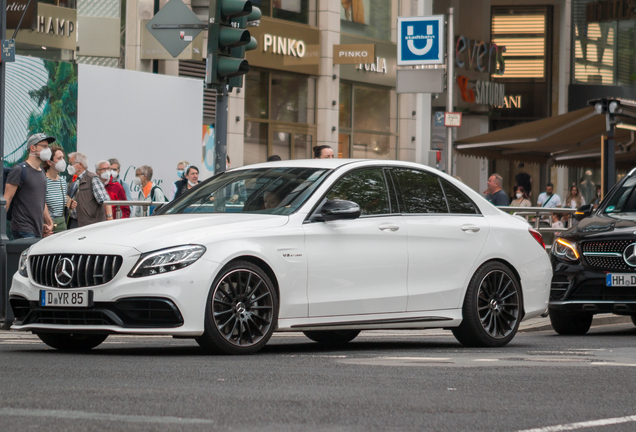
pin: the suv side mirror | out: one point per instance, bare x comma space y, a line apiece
340, 209
583, 211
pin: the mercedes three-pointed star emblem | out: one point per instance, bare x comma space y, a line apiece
629, 255
64, 271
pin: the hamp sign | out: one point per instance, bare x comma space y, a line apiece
420, 40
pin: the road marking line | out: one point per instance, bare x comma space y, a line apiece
583, 425
612, 364
83, 415
486, 360
417, 358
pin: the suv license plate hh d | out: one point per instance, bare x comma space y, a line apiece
620, 280
64, 298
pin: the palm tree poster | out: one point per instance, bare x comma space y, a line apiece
41, 96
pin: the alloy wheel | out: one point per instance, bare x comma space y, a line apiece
243, 308
498, 304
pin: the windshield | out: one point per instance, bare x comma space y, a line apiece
623, 201
264, 190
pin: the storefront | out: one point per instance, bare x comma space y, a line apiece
368, 103
280, 89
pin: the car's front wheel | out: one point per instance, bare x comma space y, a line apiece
72, 342
570, 323
492, 307
332, 338
241, 311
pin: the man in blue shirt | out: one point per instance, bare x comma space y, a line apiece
495, 195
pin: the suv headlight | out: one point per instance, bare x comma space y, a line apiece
22, 266
166, 260
565, 250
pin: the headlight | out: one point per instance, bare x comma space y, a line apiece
166, 260
22, 267
565, 250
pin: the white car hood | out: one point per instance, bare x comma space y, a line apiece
151, 233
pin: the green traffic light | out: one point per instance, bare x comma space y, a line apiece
229, 67
231, 37
235, 8
252, 45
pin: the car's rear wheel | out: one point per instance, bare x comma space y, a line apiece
241, 311
492, 307
72, 342
570, 323
332, 338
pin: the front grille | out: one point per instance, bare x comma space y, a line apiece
605, 262
605, 246
560, 285
88, 270
593, 291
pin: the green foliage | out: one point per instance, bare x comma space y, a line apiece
59, 96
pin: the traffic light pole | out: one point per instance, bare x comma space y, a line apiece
4, 295
220, 130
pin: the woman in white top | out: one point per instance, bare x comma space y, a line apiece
574, 199
56, 188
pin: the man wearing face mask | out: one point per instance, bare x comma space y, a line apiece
25, 191
87, 194
114, 189
181, 166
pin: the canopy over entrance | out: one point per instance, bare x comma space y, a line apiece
572, 139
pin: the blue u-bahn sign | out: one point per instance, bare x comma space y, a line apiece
420, 40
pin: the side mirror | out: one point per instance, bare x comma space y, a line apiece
583, 211
340, 209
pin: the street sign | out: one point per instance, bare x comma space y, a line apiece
452, 119
8, 50
420, 81
420, 40
439, 118
175, 26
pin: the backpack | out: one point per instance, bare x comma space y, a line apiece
152, 198
5, 175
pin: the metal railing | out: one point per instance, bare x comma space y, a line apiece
536, 215
145, 205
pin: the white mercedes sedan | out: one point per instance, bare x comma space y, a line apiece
326, 247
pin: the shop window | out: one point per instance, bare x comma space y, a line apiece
372, 108
524, 33
369, 18
373, 146
257, 87
290, 98
71, 4
255, 146
300, 11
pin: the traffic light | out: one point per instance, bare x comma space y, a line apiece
228, 40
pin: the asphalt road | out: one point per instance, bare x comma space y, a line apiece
384, 381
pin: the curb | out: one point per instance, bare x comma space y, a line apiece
599, 320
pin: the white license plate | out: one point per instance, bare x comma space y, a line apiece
64, 298
620, 280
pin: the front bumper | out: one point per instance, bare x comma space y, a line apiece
171, 303
577, 287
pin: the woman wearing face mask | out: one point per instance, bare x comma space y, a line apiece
521, 198
56, 189
191, 179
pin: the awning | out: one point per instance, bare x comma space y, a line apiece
572, 139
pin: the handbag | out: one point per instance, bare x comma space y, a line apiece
59, 224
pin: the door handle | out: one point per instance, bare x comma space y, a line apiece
471, 228
388, 227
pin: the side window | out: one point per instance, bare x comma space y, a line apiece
367, 188
458, 202
421, 192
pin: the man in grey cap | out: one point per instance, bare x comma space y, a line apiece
25, 191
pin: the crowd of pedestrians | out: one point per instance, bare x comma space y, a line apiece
45, 195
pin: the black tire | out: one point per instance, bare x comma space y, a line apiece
492, 307
634, 319
570, 323
332, 338
72, 342
241, 311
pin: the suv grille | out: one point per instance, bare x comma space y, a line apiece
605, 262
87, 271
